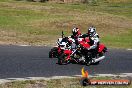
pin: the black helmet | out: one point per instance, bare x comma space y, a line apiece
75, 31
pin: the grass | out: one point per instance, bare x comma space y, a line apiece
58, 83
35, 23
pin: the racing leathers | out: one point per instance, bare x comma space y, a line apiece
94, 44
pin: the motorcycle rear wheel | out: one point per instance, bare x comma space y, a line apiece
88, 63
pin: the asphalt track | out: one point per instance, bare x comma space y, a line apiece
33, 61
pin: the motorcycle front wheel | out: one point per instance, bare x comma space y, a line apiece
62, 59
53, 52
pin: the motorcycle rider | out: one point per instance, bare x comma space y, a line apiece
75, 35
75, 32
94, 41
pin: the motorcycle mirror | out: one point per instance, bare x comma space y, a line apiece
62, 34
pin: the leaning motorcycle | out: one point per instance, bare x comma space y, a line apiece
81, 54
57, 50
62, 44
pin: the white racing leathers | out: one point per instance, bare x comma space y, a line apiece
94, 40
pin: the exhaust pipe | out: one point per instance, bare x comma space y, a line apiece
99, 59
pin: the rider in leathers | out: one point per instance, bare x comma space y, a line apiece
75, 35
94, 41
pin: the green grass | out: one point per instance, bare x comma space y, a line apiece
59, 83
35, 23
120, 41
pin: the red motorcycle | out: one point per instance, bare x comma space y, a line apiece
80, 53
62, 44
57, 50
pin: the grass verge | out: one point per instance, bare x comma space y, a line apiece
59, 83
35, 23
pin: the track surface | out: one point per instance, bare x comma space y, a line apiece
29, 61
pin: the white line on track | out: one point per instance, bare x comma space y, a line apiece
129, 49
24, 45
32, 45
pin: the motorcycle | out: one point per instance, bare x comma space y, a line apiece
81, 54
62, 44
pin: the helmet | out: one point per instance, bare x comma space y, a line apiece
92, 31
75, 31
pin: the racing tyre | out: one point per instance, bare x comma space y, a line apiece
96, 63
62, 59
88, 63
53, 52
50, 54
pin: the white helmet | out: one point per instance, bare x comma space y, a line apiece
92, 31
